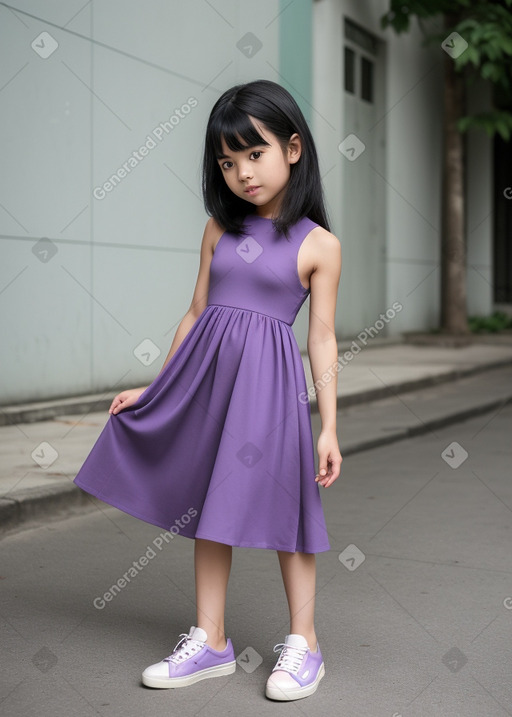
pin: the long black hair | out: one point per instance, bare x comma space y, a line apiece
229, 119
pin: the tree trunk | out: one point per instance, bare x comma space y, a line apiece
453, 245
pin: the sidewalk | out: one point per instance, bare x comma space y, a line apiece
386, 392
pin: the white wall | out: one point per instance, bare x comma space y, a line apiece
125, 265
413, 142
122, 269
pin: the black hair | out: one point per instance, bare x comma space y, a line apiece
276, 109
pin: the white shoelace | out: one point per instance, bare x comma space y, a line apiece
290, 658
185, 648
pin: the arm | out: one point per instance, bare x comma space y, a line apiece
199, 300
323, 349
212, 232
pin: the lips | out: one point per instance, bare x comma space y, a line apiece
251, 190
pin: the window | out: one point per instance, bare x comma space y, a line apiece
366, 79
350, 66
359, 36
360, 51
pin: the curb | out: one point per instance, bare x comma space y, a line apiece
46, 410
88, 403
50, 502
426, 426
373, 394
26, 508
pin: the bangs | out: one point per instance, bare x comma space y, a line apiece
230, 124
236, 128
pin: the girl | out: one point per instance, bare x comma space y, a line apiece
219, 446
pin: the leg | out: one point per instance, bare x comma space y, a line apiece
299, 577
193, 661
212, 566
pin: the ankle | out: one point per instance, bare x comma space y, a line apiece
216, 639
310, 638
218, 645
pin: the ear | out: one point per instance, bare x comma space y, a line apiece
294, 149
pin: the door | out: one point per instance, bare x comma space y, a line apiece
364, 239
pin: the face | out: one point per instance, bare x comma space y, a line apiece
259, 174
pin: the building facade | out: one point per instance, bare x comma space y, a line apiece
104, 112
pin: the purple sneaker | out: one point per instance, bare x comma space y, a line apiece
191, 660
297, 671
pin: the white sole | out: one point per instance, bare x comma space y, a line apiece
274, 693
164, 683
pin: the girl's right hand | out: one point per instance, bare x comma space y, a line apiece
125, 399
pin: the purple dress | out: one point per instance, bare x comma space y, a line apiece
220, 445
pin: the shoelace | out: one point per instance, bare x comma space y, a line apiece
290, 658
185, 648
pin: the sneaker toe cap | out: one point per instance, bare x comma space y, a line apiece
159, 669
282, 680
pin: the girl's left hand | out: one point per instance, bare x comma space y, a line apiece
329, 458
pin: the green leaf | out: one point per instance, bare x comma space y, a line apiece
471, 54
464, 123
506, 45
486, 25
503, 130
489, 71
495, 121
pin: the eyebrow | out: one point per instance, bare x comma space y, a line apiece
227, 156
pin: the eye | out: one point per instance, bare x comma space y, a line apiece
226, 165
258, 153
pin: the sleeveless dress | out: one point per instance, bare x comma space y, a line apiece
220, 445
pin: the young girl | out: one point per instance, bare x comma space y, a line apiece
219, 446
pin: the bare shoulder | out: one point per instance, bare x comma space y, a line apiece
212, 233
323, 248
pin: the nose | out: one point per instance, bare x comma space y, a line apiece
244, 171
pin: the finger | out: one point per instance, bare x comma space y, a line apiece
119, 406
332, 475
336, 470
322, 471
124, 404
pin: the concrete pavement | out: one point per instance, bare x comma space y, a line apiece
386, 391
413, 605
